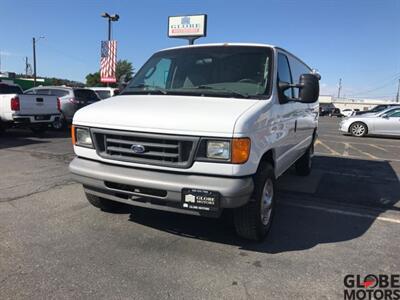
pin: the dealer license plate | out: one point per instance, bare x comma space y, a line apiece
200, 200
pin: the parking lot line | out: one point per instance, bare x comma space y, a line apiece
346, 149
362, 152
345, 212
356, 156
319, 142
377, 147
347, 138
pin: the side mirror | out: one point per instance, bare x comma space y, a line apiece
309, 88
385, 116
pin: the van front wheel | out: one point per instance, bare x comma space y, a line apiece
253, 220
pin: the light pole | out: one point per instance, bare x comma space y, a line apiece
111, 18
34, 58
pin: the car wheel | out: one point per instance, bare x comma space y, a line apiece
304, 164
59, 124
358, 129
253, 220
103, 204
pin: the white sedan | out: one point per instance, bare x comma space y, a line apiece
386, 122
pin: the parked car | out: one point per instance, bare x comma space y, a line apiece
348, 112
335, 113
325, 109
200, 129
33, 111
386, 122
71, 99
105, 92
376, 109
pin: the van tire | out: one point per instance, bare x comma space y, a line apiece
102, 203
248, 218
304, 164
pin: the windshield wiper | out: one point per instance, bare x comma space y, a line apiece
144, 87
222, 89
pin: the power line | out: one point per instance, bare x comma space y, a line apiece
387, 83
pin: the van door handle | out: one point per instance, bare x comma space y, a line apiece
295, 126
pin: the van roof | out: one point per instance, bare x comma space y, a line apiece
220, 44
236, 44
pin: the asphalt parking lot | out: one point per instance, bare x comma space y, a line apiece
342, 219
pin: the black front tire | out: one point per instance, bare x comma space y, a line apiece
304, 163
248, 218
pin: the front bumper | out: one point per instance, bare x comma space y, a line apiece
155, 189
344, 127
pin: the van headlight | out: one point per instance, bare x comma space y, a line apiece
219, 150
81, 137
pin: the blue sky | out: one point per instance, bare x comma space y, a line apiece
356, 40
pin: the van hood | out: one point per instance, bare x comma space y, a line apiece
190, 115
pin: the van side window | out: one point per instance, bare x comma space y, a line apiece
284, 75
297, 68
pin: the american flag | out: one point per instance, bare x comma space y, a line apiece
108, 61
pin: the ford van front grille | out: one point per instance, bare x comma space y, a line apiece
145, 148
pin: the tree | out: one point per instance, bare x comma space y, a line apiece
124, 69
93, 79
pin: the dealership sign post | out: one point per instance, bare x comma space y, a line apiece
187, 27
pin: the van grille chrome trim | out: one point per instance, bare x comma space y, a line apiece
145, 148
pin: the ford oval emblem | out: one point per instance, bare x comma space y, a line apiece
138, 148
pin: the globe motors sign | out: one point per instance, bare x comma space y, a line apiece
189, 27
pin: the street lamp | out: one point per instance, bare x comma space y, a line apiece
111, 18
34, 58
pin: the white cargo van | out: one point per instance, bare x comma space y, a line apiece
200, 129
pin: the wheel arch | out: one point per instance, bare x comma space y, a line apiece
268, 156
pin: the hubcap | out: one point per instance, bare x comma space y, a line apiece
358, 129
266, 202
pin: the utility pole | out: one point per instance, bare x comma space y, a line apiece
398, 92
26, 66
339, 87
34, 58
34, 61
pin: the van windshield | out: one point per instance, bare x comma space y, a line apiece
222, 71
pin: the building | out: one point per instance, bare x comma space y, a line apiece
361, 104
